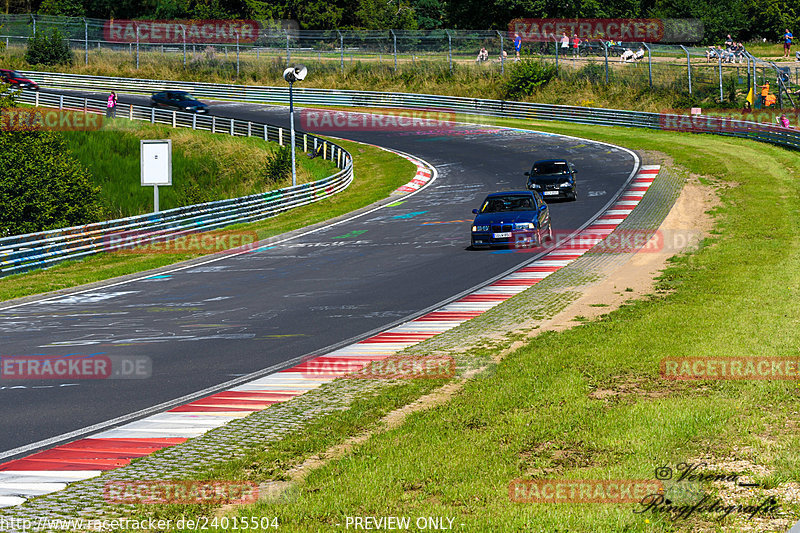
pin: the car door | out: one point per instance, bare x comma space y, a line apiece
542, 211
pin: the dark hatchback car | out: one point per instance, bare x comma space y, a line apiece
553, 178
518, 219
12, 77
180, 100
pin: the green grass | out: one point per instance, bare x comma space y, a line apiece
378, 173
205, 166
533, 417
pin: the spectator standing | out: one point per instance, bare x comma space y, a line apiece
575, 44
517, 44
787, 42
564, 42
111, 107
728, 42
764, 93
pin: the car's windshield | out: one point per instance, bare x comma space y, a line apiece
550, 167
15, 74
496, 204
182, 95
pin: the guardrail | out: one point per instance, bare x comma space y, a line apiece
473, 106
19, 253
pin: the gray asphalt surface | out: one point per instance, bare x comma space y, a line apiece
204, 325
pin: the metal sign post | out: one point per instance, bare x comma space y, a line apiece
156, 165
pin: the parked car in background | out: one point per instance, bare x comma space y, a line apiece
553, 178
179, 100
12, 77
518, 219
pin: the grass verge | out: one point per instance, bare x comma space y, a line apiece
535, 417
205, 166
378, 174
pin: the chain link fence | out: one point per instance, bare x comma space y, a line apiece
689, 71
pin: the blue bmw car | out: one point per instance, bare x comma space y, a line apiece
519, 219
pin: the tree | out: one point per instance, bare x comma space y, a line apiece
48, 48
67, 8
42, 186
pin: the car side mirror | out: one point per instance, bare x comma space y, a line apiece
474, 211
527, 173
542, 207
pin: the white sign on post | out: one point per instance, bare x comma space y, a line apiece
156, 165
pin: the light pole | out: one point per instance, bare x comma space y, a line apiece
293, 74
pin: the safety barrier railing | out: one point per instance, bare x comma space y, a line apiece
19, 253
473, 106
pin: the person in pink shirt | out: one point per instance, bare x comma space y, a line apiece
111, 108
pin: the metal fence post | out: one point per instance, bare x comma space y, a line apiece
85, 42
288, 53
502, 59
184, 44
449, 50
688, 67
152, 115
721, 96
61, 101
137, 46
341, 50
605, 53
194, 121
649, 64
556, 43
237, 53
394, 39
33, 17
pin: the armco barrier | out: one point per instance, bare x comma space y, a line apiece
473, 106
19, 253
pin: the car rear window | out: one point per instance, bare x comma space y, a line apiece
550, 167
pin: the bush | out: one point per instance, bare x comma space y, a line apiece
526, 76
279, 165
595, 73
41, 186
48, 49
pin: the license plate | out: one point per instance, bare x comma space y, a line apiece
550, 193
503, 235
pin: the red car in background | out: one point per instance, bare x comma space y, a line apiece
12, 77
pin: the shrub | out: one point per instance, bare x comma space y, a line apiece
279, 164
42, 186
526, 76
48, 49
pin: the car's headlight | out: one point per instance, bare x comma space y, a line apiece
190, 108
566, 184
480, 228
524, 225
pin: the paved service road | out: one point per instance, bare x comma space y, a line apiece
203, 325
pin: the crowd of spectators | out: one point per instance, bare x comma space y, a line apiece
733, 52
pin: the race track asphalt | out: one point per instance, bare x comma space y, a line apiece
204, 325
